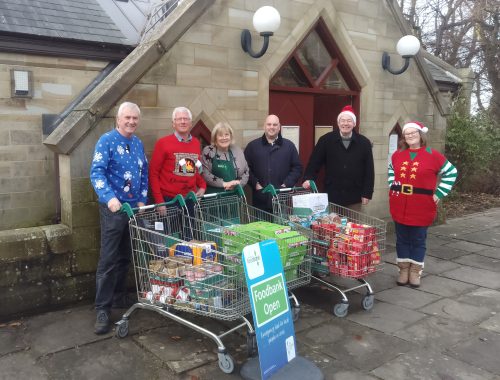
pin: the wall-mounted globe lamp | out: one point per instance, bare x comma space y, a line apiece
407, 47
266, 21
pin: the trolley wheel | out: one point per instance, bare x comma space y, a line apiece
340, 310
295, 313
367, 301
251, 345
226, 363
122, 328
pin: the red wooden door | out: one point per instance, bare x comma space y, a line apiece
296, 109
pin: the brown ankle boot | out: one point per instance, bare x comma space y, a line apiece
415, 273
404, 272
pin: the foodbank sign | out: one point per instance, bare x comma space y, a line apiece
270, 299
270, 306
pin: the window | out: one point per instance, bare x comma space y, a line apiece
317, 64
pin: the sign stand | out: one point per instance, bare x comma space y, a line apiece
298, 368
272, 318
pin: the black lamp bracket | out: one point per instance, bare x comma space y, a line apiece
246, 43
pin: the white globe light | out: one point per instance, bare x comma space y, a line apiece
266, 19
408, 46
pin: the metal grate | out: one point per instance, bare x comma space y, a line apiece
159, 13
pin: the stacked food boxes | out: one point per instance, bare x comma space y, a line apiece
190, 276
351, 249
292, 245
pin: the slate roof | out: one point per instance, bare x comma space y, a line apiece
82, 20
441, 75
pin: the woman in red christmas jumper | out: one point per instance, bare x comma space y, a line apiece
413, 197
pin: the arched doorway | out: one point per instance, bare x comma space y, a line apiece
202, 133
311, 88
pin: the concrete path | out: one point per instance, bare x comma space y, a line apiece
449, 328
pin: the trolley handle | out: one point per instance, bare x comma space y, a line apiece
274, 191
131, 211
238, 190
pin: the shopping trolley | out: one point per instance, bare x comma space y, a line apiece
345, 243
179, 270
241, 224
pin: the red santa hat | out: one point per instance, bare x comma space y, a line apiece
347, 111
417, 125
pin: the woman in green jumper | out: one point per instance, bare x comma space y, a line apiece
224, 164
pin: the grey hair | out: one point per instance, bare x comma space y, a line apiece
182, 109
128, 105
219, 128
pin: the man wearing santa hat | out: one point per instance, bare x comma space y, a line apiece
348, 160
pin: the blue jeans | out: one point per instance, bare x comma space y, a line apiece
410, 243
114, 258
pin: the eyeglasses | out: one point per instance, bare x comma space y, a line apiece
346, 121
182, 119
411, 134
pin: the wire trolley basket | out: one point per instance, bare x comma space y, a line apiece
180, 270
345, 243
241, 224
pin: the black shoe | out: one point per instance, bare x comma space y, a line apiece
102, 325
123, 302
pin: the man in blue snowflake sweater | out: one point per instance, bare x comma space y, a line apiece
119, 173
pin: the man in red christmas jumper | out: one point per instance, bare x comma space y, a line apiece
175, 166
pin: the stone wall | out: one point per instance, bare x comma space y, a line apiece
28, 186
39, 270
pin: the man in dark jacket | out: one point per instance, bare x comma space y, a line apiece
271, 160
348, 160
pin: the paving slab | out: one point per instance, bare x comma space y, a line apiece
60, 330
112, 359
436, 333
386, 317
484, 297
477, 260
435, 265
492, 324
12, 338
450, 309
488, 237
357, 345
175, 343
21, 365
445, 253
490, 252
480, 277
406, 297
480, 351
385, 278
436, 240
444, 287
430, 365
348, 375
310, 317
463, 245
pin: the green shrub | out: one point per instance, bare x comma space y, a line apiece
473, 146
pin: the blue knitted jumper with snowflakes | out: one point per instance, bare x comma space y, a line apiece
119, 169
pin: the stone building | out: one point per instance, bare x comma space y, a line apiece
326, 54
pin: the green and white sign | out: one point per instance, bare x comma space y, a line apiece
270, 299
270, 306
